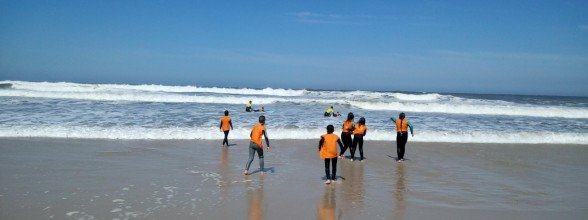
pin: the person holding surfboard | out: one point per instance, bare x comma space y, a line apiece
249, 106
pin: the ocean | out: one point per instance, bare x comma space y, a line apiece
121, 111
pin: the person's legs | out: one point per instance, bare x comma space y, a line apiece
346, 139
334, 162
360, 143
403, 144
260, 154
226, 140
252, 147
327, 171
398, 144
353, 147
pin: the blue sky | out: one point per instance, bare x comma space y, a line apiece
516, 47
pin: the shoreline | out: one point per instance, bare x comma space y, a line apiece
186, 179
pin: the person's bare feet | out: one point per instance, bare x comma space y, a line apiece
245, 172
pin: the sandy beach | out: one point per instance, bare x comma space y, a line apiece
194, 179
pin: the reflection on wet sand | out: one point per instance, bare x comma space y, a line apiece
255, 200
400, 189
352, 188
327, 206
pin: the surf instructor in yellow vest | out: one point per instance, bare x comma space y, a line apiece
402, 126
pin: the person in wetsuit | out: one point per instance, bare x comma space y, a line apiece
346, 131
359, 131
249, 106
255, 145
329, 111
225, 125
402, 127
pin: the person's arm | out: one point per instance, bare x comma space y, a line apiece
266, 140
410, 127
365, 132
221, 125
231, 123
393, 119
321, 143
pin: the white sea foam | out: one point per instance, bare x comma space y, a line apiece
374, 101
481, 108
55, 131
78, 87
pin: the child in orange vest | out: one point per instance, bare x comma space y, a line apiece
359, 132
225, 125
255, 145
328, 151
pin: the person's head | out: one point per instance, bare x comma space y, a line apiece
401, 116
249, 101
331, 106
350, 116
362, 121
226, 112
262, 119
262, 108
330, 129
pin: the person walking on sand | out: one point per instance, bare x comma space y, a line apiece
328, 151
402, 126
255, 144
359, 132
249, 106
346, 131
225, 124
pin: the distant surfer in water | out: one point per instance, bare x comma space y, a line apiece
225, 125
359, 131
249, 106
260, 110
328, 151
402, 126
346, 131
329, 111
255, 145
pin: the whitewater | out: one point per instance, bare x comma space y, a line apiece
120, 111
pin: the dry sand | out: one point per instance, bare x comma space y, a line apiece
194, 179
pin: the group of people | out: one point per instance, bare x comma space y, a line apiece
351, 138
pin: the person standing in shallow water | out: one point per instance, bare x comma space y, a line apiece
328, 151
255, 145
225, 125
402, 126
346, 131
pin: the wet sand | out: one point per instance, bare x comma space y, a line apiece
196, 179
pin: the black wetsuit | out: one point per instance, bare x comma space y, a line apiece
357, 140
347, 141
226, 140
401, 138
